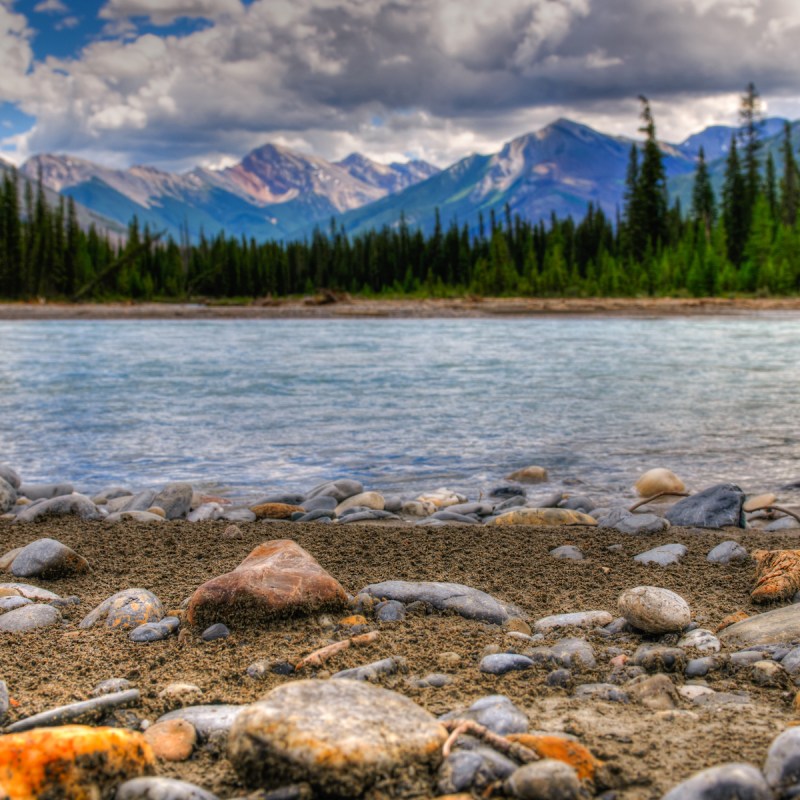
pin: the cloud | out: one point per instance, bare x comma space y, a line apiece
165, 12
51, 7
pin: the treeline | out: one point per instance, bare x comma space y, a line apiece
746, 241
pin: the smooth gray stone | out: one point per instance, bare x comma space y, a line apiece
126, 609
659, 658
339, 489
321, 503
699, 667
31, 592
463, 600
206, 511
727, 553
365, 515
573, 652
317, 513
137, 516
578, 619
495, 712
214, 632
175, 499
287, 499
500, 663
207, 720
724, 782
239, 515
540, 655
780, 626
434, 680
155, 631
561, 678
719, 506
29, 618
4, 702
578, 502
111, 686
390, 611
507, 491
141, 501
110, 493
10, 476
745, 658
791, 661
547, 501
10, 603
446, 515
161, 789
8, 496
74, 504
459, 771
617, 626
48, 559
368, 672
567, 552
512, 502
547, 779
44, 491
85, 711
624, 521
783, 524
481, 509
601, 691
664, 556
393, 503
782, 766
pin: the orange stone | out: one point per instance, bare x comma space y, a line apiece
731, 619
355, 619
278, 578
73, 762
172, 739
561, 749
275, 510
777, 575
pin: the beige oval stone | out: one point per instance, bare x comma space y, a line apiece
532, 474
172, 739
759, 501
658, 480
544, 516
373, 500
158, 511
653, 609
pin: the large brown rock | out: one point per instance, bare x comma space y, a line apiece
278, 578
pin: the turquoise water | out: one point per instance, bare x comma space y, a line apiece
253, 406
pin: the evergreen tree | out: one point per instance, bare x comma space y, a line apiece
734, 206
750, 117
790, 182
704, 206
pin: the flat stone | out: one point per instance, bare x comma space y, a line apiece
664, 556
500, 663
44, 491
654, 610
175, 499
495, 712
140, 501
110, 493
321, 503
547, 779
532, 474
624, 521
567, 552
29, 591
728, 553
4, 702
138, 516
172, 740
125, 610
441, 498
716, 507
85, 711
8, 496
48, 559
277, 578
339, 490
578, 502
780, 626
658, 480
239, 515
161, 789
29, 618
275, 510
740, 781
111, 686
791, 661
578, 619
462, 600
548, 517
299, 733
208, 721
73, 504
782, 766
369, 672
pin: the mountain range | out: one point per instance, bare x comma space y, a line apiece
276, 193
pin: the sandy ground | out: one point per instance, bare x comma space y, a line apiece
310, 308
647, 752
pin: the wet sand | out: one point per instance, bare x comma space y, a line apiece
647, 752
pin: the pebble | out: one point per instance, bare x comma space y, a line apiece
371, 500
699, 667
216, 631
728, 553
664, 556
716, 507
138, 516
8, 495
161, 789
111, 686
73, 504
10, 603
561, 678
370, 672
544, 780
460, 771
155, 631
656, 692
601, 691
180, 694
654, 610
208, 721
30, 592
574, 653
434, 680
239, 515
29, 618
175, 499
44, 491
791, 661
568, 552
772, 627
140, 501
659, 658
10, 476
578, 619
126, 609
658, 480
782, 524
782, 766
172, 740
624, 521
205, 512
500, 663
276, 510
742, 781
83, 712
578, 503
4, 702
531, 474
390, 611
768, 673
702, 640
495, 712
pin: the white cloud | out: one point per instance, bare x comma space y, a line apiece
51, 7
165, 12
16, 54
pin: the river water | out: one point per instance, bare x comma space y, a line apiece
250, 407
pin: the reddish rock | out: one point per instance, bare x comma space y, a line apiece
172, 740
275, 510
278, 578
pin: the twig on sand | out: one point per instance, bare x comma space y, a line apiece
457, 727
319, 657
650, 499
784, 511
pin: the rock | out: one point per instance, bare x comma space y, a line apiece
321, 503
206, 511
767, 673
208, 721
414, 509
275, 510
74, 504
782, 767
390, 611
773, 627
544, 780
239, 515
364, 515
460, 771
10, 476
740, 781
560, 747
573, 653
532, 474
578, 502
500, 663
727, 553
44, 491
29, 618
175, 499
495, 712
579, 619
664, 556
791, 661
658, 480
48, 559
139, 516
441, 498
10, 603
161, 789
702, 640
782, 524
717, 507
72, 761
659, 658
172, 740
155, 631
777, 575
544, 516
601, 691
759, 502
372, 500
178, 695
654, 691
277, 578
567, 552
4, 702
29, 591
463, 600
111, 686
435, 680
369, 672
451, 516
298, 732
138, 502
7, 559
339, 490
84, 711
126, 609
110, 493
625, 522
8, 496
654, 610
214, 632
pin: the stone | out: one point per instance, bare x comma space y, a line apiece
10, 476
532, 474
729, 552
155, 631
578, 502
607, 692
657, 481
759, 502
208, 721
390, 611
7, 559
702, 640
567, 552
173, 740
180, 694
4, 702
740, 781
547, 779
8, 496
275, 510
10, 603
278, 578
110, 493
434, 680
654, 610
768, 673
500, 663
140, 501
460, 771
462, 600
625, 522
573, 653
782, 766
653, 691
495, 712
111, 686
777, 575
773, 627
665, 555
560, 747
175, 499
29, 618
85, 711
782, 524
71, 504
72, 761
48, 559
415, 509
321, 503
659, 658
214, 632
29, 591
548, 517
206, 511
339, 490
299, 733
239, 515
138, 516
719, 506
578, 619
791, 661
126, 610
370, 672
373, 500
158, 788
441, 498
44, 491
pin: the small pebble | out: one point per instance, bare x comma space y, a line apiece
216, 631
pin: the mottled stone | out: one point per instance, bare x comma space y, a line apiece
277, 578
175, 499
664, 556
659, 658
126, 609
654, 610
724, 782
155, 631
390, 611
773, 627
275, 510
702, 640
71, 504
782, 766
658, 480
180, 694
10, 476
8, 496
298, 732
138, 516
111, 686
206, 511
653, 691
48, 559
495, 712
441, 498
573, 653
158, 788
544, 780
727, 553
532, 474
29, 618
548, 517
567, 552
626, 522
369, 672
716, 507
578, 619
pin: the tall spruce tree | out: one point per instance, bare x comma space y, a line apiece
750, 117
704, 206
735, 211
790, 182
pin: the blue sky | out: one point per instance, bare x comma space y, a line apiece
175, 83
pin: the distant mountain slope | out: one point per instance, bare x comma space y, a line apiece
716, 139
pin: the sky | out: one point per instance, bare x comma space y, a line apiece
177, 83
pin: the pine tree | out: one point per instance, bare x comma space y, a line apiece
790, 183
704, 206
750, 117
734, 206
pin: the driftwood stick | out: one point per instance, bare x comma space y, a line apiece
784, 511
647, 500
456, 727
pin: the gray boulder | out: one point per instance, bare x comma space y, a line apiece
71, 504
773, 627
48, 559
175, 499
340, 490
624, 521
716, 507
29, 618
